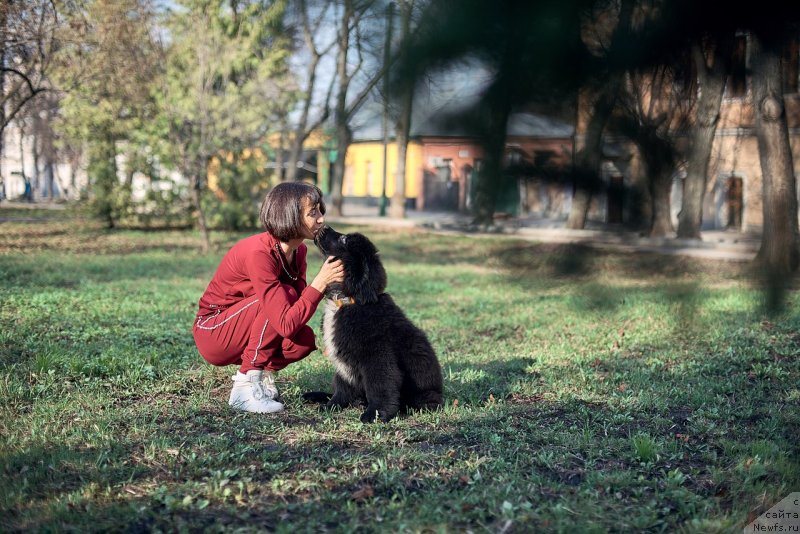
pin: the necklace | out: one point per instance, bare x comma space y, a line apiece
284, 264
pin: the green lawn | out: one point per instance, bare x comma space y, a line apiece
586, 391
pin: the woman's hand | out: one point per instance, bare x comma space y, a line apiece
332, 271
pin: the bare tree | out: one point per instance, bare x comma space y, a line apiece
711, 67
405, 102
27, 46
606, 34
311, 24
352, 37
655, 108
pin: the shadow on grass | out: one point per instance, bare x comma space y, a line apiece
611, 454
71, 272
34, 477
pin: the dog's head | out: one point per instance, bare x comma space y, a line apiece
365, 277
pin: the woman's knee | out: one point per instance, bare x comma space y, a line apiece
303, 341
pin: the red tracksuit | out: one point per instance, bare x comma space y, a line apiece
255, 309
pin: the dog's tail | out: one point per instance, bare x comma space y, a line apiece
318, 397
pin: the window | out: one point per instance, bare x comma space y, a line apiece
543, 157
443, 170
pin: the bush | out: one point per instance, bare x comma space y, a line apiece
233, 201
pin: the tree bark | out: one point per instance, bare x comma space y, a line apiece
491, 175
779, 254
660, 168
397, 207
587, 166
343, 138
712, 87
280, 157
3, 21
341, 116
36, 185
590, 155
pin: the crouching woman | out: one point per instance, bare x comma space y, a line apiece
255, 310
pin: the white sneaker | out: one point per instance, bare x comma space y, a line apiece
249, 394
268, 381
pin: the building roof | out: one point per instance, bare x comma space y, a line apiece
441, 110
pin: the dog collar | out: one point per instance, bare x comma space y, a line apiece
344, 301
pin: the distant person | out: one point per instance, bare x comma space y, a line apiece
255, 310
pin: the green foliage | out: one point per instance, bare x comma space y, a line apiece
106, 199
225, 64
163, 208
235, 204
107, 64
585, 391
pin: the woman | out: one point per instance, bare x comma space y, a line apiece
255, 310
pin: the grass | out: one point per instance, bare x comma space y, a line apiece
585, 391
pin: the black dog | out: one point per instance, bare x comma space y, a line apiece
381, 359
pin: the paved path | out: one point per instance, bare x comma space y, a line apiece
715, 244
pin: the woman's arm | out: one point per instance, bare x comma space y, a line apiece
284, 315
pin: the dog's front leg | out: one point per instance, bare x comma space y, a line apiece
344, 394
383, 399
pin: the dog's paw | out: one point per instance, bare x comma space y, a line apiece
317, 397
369, 415
333, 405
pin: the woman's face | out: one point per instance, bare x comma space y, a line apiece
313, 220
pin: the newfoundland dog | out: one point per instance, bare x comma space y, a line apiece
381, 359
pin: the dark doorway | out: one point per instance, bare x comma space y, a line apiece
616, 199
734, 202
441, 192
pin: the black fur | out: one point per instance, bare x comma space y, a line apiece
390, 363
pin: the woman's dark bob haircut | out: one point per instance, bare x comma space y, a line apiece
281, 211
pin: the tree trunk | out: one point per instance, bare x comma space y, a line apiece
295, 149
779, 254
397, 208
197, 204
587, 166
343, 138
590, 153
49, 177
28, 195
301, 130
3, 16
712, 87
341, 116
2, 176
36, 186
280, 158
491, 175
659, 163
103, 173
660, 189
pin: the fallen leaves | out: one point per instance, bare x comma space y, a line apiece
363, 493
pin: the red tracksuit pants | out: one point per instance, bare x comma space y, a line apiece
242, 335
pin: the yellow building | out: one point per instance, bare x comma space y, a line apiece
363, 175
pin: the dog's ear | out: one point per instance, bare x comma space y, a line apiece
361, 288
366, 278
